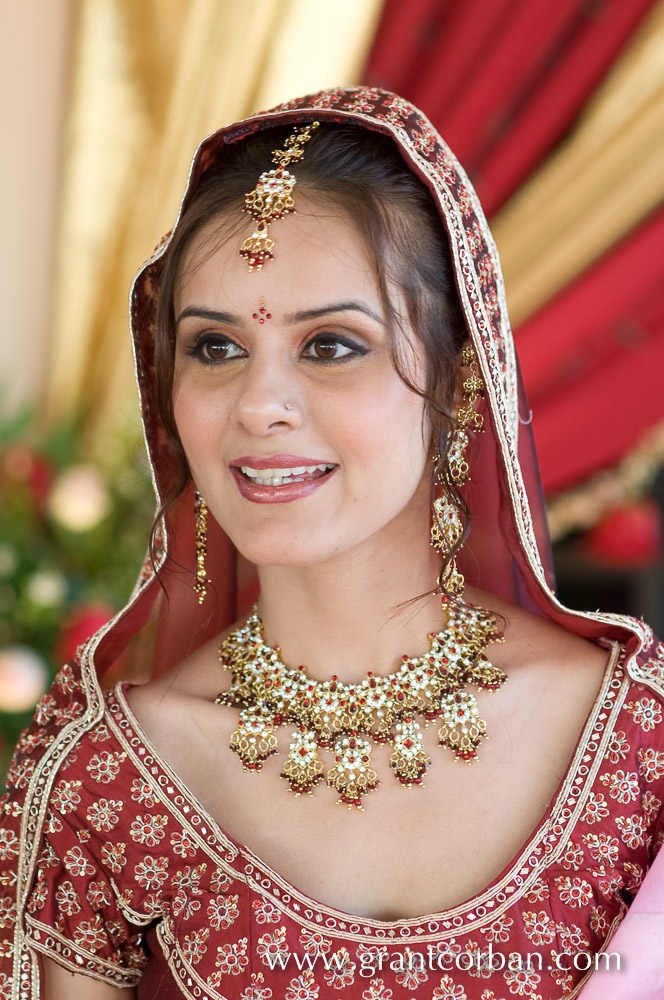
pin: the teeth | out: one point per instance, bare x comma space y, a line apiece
277, 477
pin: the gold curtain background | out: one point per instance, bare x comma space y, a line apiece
152, 78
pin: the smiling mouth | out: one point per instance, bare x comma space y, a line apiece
283, 477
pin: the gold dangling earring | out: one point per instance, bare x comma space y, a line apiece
447, 524
202, 580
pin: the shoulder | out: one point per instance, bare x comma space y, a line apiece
199, 677
538, 644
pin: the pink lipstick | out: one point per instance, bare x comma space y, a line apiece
279, 478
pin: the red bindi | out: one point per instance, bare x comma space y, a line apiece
262, 313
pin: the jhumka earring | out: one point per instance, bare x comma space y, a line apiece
273, 197
447, 525
201, 511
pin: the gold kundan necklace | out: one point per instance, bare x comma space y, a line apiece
345, 718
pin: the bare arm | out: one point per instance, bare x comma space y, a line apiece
58, 983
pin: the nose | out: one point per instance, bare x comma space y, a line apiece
268, 400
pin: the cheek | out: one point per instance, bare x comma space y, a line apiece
199, 420
383, 428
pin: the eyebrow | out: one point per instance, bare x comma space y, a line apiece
296, 317
220, 317
299, 317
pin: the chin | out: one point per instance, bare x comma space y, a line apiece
268, 546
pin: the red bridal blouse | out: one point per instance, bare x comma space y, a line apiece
137, 886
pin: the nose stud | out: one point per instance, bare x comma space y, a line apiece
288, 406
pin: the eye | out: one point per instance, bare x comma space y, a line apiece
332, 347
212, 349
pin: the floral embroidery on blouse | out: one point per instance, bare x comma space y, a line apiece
131, 869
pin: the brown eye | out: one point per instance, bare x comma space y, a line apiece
214, 350
326, 349
332, 348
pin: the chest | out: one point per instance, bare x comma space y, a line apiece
411, 851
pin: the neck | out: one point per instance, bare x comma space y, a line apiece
345, 616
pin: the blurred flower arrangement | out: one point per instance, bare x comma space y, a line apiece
73, 534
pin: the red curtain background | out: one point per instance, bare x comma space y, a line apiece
504, 82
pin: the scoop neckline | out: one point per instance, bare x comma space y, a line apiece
510, 872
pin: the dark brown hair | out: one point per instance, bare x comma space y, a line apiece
363, 174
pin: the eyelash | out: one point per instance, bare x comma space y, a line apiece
197, 350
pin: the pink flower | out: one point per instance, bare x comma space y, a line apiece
314, 943
651, 806
651, 763
90, 934
341, 971
623, 785
377, 990
76, 863
602, 847
66, 797
618, 747
183, 844
232, 958
646, 713
112, 855
448, 990
596, 808
303, 987
633, 831
67, 898
265, 912
194, 946
572, 939
8, 844
574, 891
272, 948
99, 894
151, 873
141, 792
104, 767
223, 911
573, 856
148, 830
539, 927
599, 922
104, 814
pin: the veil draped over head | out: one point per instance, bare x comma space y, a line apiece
507, 552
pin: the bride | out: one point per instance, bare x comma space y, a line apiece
460, 791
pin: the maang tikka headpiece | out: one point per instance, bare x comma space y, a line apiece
273, 197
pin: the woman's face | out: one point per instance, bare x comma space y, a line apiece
298, 431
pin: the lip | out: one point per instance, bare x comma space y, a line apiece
276, 462
279, 494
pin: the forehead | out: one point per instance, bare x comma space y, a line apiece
318, 247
